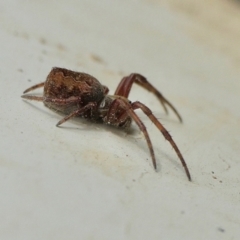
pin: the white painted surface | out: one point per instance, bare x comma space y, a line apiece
86, 181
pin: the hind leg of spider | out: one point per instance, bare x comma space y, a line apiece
148, 112
125, 87
32, 97
58, 101
34, 87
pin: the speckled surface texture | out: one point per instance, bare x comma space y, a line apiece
88, 181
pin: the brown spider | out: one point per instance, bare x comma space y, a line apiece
80, 94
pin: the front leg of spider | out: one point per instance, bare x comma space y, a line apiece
125, 110
125, 87
157, 123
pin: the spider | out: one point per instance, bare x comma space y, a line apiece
80, 94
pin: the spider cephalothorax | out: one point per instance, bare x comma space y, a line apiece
80, 94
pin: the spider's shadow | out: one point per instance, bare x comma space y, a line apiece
131, 133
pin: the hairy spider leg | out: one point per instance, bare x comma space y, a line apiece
62, 101
32, 97
128, 111
59, 101
148, 112
125, 87
34, 87
77, 112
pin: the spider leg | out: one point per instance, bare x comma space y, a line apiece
128, 111
90, 105
34, 87
142, 127
63, 101
59, 101
148, 112
126, 83
32, 97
